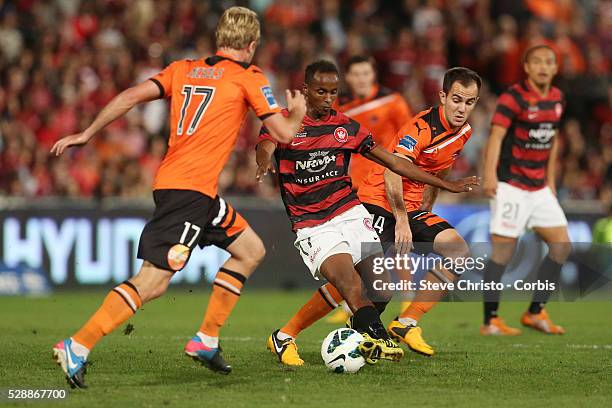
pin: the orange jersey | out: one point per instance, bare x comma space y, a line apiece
431, 144
209, 100
383, 112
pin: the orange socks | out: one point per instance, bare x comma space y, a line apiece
424, 300
119, 305
321, 303
226, 292
417, 309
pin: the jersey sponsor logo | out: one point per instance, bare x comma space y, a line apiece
294, 143
408, 142
341, 135
317, 162
543, 134
267, 93
178, 256
318, 177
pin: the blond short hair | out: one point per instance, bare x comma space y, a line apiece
237, 28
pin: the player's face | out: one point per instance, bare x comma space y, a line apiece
459, 103
321, 93
361, 78
541, 67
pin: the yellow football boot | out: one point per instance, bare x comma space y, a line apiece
379, 349
285, 350
411, 336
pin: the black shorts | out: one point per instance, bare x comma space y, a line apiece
182, 220
424, 225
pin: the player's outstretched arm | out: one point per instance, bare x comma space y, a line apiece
117, 107
430, 195
496, 137
395, 196
406, 168
283, 128
263, 157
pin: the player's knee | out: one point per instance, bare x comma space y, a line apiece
502, 249
258, 253
559, 251
153, 290
158, 291
455, 249
502, 257
463, 250
255, 254
151, 282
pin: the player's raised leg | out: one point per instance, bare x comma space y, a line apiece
324, 300
338, 269
282, 341
247, 251
559, 250
118, 306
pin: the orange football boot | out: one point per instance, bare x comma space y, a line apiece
541, 322
497, 327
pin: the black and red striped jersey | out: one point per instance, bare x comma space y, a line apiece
313, 168
531, 121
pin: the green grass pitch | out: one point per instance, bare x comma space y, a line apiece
148, 369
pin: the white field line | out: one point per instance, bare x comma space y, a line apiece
573, 346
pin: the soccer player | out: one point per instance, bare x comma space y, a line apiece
401, 208
519, 179
209, 99
328, 218
379, 109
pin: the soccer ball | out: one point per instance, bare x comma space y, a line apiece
340, 353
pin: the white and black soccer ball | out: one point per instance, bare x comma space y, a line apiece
340, 351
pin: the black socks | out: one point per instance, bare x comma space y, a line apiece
367, 320
493, 272
549, 273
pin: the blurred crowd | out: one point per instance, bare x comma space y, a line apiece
61, 61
